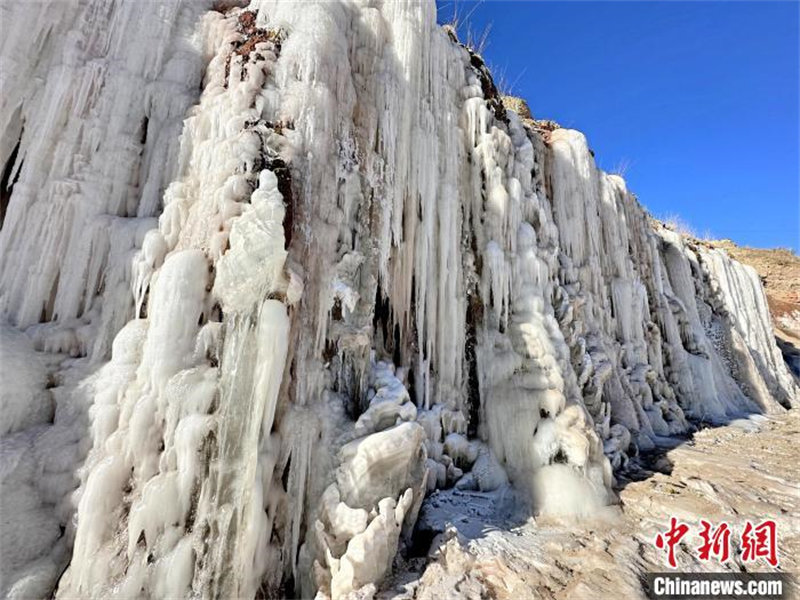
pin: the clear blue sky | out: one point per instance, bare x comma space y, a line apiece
700, 99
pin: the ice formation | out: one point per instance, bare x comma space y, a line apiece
269, 274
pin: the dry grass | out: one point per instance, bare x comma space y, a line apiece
622, 167
518, 105
677, 224
461, 24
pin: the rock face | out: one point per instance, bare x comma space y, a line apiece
289, 269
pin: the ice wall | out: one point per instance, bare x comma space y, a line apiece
338, 274
92, 106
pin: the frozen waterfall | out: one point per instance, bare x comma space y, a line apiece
269, 274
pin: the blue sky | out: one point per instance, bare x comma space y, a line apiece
698, 99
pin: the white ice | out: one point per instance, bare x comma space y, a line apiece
270, 274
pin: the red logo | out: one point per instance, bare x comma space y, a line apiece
757, 541
760, 541
716, 542
672, 537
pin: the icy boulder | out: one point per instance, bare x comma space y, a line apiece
389, 404
376, 466
378, 490
369, 554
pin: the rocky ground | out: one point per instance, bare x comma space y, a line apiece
747, 470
